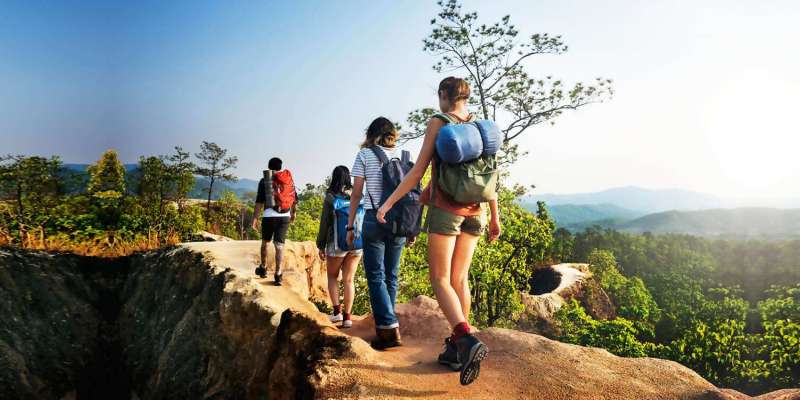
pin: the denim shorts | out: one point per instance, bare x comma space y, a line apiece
332, 251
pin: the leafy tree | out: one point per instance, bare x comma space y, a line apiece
309, 208
493, 59
780, 346
783, 303
715, 349
107, 176
107, 187
502, 269
630, 295
619, 336
228, 218
32, 185
563, 245
181, 171
215, 162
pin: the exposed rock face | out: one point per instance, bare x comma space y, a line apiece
556, 285
193, 323
166, 324
195, 329
53, 334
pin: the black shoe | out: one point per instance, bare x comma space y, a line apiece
261, 271
278, 279
449, 356
471, 352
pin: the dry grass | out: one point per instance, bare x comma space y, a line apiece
107, 246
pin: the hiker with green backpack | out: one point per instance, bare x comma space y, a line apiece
461, 152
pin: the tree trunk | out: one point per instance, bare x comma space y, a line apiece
208, 202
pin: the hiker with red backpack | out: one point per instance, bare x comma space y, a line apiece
278, 199
378, 169
461, 152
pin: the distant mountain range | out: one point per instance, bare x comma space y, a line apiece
637, 210
572, 214
736, 222
657, 200
241, 187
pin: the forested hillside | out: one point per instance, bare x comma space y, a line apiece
735, 223
729, 309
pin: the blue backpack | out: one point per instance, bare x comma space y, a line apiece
341, 213
405, 217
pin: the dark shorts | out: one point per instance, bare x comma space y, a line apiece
274, 228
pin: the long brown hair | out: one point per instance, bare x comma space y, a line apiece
455, 89
381, 132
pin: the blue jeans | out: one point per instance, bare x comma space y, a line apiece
382, 253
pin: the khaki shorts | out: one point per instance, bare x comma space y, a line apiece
444, 222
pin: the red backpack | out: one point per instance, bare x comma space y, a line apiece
283, 187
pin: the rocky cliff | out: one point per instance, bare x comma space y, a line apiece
552, 287
192, 322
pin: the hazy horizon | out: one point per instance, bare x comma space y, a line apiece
703, 92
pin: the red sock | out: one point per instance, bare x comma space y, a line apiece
346, 316
337, 309
459, 331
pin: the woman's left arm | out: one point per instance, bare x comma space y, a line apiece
495, 229
417, 172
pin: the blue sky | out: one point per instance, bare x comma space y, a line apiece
705, 94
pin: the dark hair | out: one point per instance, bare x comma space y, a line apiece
275, 164
454, 89
340, 180
381, 132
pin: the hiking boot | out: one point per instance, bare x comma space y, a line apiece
336, 318
471, 352
347, 323
278, 279
386, 338
261, 271
449, 356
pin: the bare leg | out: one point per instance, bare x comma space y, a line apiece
264, 244
348, 273
278, 257
440, 256
459, 276
334, 264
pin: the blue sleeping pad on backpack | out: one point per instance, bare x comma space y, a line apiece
341, 211
457, 143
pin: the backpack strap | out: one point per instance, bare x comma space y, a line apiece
384, 160
446, 118
449, 118
405, 157
380, 154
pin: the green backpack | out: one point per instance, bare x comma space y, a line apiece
468, 182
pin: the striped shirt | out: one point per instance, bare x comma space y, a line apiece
368, 166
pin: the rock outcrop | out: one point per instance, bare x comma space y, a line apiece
192, 322
553, 286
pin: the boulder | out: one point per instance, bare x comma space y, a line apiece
554, 285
